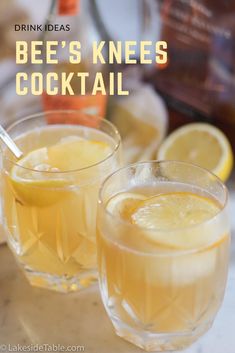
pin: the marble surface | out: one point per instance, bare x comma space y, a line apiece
35, 316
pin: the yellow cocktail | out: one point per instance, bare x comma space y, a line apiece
50, 197
163, 249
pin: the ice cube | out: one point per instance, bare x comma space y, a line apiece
182, 270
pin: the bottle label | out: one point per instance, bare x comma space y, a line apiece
89, 104
68, 7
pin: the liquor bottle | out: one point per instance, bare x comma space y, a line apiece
222, 75
74, 21
193, 31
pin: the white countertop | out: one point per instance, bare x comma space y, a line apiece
36, 316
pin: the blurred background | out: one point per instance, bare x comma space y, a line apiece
197, 84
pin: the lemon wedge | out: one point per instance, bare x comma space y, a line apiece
201, 144
36, 179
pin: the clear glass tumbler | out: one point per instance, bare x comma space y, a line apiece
50, 195
163, 251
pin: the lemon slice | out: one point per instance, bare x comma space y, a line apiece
33, 186
30, 185
77, 154
201, 144
167, 217
124, 204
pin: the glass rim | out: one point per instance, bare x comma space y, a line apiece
158, 162
41, 114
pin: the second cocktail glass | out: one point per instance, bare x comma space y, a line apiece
163, 251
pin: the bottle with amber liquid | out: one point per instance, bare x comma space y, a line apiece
198, 81
222, 75
72, 20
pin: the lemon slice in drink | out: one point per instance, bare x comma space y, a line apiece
36, 179
167, 219
124, 204
77, 153
201, 144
